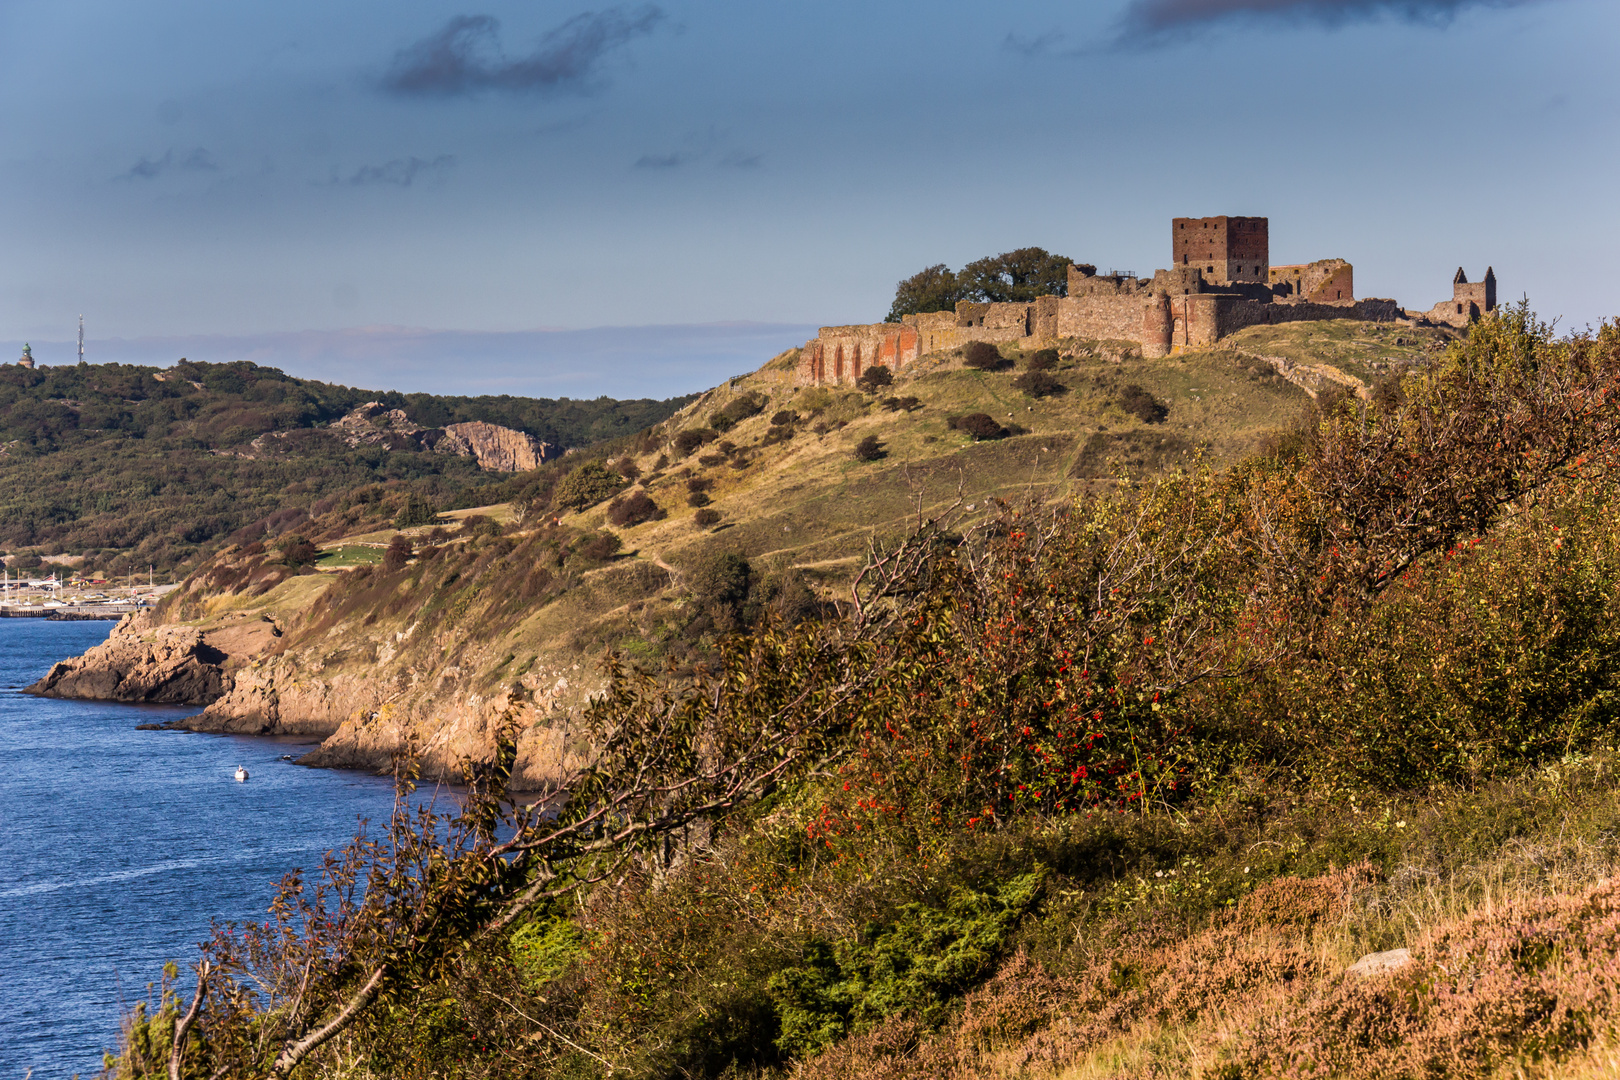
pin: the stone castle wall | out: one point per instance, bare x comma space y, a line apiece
839, 354
1220, 281
1161, 325
1322, 281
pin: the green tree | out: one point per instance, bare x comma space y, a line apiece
1015, 276
933, 289
588, 485
416, 511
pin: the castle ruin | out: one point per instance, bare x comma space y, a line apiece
1220, 281
1469, 300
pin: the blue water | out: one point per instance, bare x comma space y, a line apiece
117, 848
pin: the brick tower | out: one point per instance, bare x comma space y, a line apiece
1226, 249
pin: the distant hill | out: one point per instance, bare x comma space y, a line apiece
132, 466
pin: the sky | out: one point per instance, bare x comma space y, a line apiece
643, 199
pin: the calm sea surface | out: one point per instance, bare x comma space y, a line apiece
117, 847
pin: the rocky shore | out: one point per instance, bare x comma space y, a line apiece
245, 681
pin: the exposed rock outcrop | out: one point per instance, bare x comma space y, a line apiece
499, 449
141, 663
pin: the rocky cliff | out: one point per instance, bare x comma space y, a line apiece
496, 448
366, 687
141, 663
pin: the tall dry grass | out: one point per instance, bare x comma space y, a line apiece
1515, 973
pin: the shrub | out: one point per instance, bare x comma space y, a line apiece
980, 425
982, 355
721, 422
722, 578
416, 511
902, 404
627, 468
699, 483
691, 438
784, 418
697, 498
400, 550
633, 509
587, 485
479, 525
1038, 384
1142, 405
869, 449
875, 378
1042, 360
600, 547
297, 551
709, 461
743, 406
706, 517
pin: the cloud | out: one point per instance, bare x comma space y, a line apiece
197, 160
699, 146
465, 57
1150, 22
1036, 45
665, 161
401, 171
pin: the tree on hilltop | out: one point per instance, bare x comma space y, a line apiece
1011, 277
932, 289
1016, 276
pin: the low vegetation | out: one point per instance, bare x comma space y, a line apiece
1115, 788
128, 467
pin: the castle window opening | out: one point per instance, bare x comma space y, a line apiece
1459, 309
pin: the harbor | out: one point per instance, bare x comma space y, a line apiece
74, 600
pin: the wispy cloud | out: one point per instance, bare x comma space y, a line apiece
401, 172
1152, 22
700, 146
1041, 44
198, 160
666, 161
465, 55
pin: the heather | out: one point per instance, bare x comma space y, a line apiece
1117, 787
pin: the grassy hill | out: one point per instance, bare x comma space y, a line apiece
126, 466
1111, 788
774, 513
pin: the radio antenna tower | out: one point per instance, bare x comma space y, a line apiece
81, 339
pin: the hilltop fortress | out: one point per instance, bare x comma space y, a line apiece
1220, 281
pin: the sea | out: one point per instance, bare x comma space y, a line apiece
119, 848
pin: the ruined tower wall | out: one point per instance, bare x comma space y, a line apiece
1322, 281
839, 354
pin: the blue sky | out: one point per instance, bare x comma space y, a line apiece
235, 179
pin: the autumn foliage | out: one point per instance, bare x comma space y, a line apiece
1044, 730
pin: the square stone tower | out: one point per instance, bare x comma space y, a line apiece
1226, 249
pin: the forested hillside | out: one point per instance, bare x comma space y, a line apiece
133, 466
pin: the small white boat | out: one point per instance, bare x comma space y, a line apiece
241, 774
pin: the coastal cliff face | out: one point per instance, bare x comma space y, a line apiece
365, 687
141, 664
